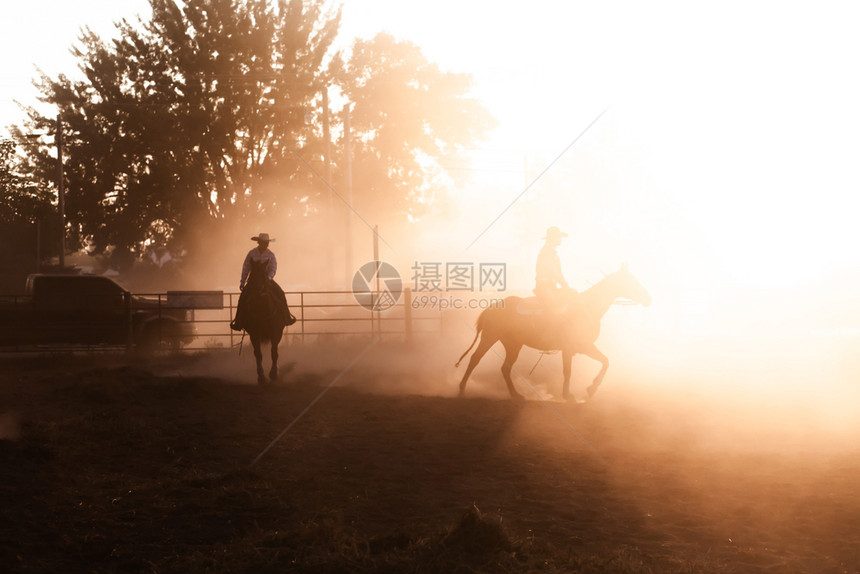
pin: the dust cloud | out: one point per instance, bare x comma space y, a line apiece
740, 394
733, 369
728, 367
703, 393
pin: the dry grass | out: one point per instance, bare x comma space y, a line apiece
113, 468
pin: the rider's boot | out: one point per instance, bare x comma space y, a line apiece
236, 323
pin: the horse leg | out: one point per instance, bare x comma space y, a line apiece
512, 351
258, 355
273, 374
594, 353
566, 360
482, 349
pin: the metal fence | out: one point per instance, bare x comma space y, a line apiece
322, 314
319, 314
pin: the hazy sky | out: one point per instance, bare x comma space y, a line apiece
741, 117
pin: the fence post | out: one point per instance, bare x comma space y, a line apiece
129, 319
230, 320
407, 313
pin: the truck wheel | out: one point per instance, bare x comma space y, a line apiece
158, 338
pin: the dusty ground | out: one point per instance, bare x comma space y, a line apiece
110, 464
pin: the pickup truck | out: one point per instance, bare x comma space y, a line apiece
92, 310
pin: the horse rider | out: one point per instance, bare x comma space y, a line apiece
261, 254
551, 288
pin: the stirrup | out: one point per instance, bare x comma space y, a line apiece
291, 319
234, 326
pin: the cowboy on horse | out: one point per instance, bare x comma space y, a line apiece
549, 280
261, 254
554, 296
557, 318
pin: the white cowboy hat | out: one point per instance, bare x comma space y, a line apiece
262, 237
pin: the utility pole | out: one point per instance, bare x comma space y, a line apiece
375, 307
348, 155
330, 215
61, 200
38, 245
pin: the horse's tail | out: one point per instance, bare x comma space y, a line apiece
479, 325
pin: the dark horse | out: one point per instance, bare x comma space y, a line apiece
264, 320
575, 333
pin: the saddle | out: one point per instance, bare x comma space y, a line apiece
274, 301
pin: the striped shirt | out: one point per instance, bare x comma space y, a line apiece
256, 255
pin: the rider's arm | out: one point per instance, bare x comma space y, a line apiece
558, 275
246, 269
273, 265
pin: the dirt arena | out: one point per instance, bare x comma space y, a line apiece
111, 464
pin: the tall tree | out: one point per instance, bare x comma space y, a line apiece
409, 121
191, 115
21, 201
209, 111
29, 224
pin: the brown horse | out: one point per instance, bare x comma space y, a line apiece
264, 320
574, 331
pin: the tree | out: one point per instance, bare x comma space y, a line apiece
23, 200
409, 121
208, 113
29, 225
190, 116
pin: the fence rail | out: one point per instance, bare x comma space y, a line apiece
322, 314
319, 314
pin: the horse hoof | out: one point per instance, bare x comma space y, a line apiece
261, 380
591, 390
518, 397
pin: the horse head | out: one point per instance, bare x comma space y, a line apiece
628, 287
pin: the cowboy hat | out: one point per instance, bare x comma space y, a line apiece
262, 237
554, 232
